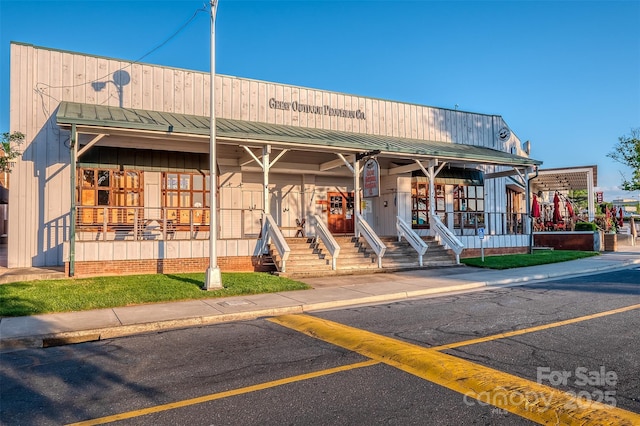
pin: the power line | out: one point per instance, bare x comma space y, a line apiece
167, 40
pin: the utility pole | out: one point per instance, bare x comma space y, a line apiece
213, 279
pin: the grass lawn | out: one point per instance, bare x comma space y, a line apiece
539, 257
39, 297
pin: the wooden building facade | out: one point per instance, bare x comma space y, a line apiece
124, 146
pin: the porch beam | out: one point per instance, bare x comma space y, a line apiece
284, 151
247, 158
294, 168
505, 173
257, 160
523, 178
431, 165
346, 162
404, 169
328, 165
91, 143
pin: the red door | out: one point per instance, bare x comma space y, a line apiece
340, 214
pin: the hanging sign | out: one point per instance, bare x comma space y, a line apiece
371, 179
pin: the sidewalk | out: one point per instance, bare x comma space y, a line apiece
330, 292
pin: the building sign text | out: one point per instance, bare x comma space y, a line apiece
314, 109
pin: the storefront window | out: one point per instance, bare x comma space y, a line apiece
468, 204
419, 205
189, 194
515, 224
108, 188
420, 202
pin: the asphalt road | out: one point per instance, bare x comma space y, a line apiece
261, 372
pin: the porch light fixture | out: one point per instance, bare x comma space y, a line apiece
213, 278
363, 155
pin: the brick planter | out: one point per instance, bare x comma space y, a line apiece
610, 242
576, 240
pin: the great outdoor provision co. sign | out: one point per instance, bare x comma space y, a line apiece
315, 109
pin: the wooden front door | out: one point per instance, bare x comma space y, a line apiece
340, 214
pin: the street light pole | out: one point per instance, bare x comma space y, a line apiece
213, 279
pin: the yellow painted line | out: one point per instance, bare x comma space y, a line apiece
226, 394
522, 397
536, 328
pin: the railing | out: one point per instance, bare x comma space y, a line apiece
163, 223
130, 223
447, 236
271, 233
468, 222
404, 230
374, 241
330, 243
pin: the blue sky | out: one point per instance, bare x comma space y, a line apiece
564, 75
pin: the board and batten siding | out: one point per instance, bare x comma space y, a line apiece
41, 78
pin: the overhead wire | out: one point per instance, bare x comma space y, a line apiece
167, 40
41, 88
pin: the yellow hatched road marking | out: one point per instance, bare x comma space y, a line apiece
536, 328
508, 394
220, 395
525, 398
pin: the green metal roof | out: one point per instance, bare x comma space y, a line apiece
238, 130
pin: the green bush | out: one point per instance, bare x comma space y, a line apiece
586, 226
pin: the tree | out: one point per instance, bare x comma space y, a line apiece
10, 142
580, 199
627, 152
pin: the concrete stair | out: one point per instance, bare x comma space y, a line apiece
401, 256
310, 258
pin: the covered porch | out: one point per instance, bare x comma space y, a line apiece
294, 176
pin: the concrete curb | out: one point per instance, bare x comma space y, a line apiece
71, 337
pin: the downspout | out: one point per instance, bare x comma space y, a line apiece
72, 225
528, 180
356, 195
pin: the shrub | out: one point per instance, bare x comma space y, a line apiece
586, 226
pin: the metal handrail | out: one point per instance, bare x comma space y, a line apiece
271, 233
322, 231
374, 241
447, 236
404, 230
